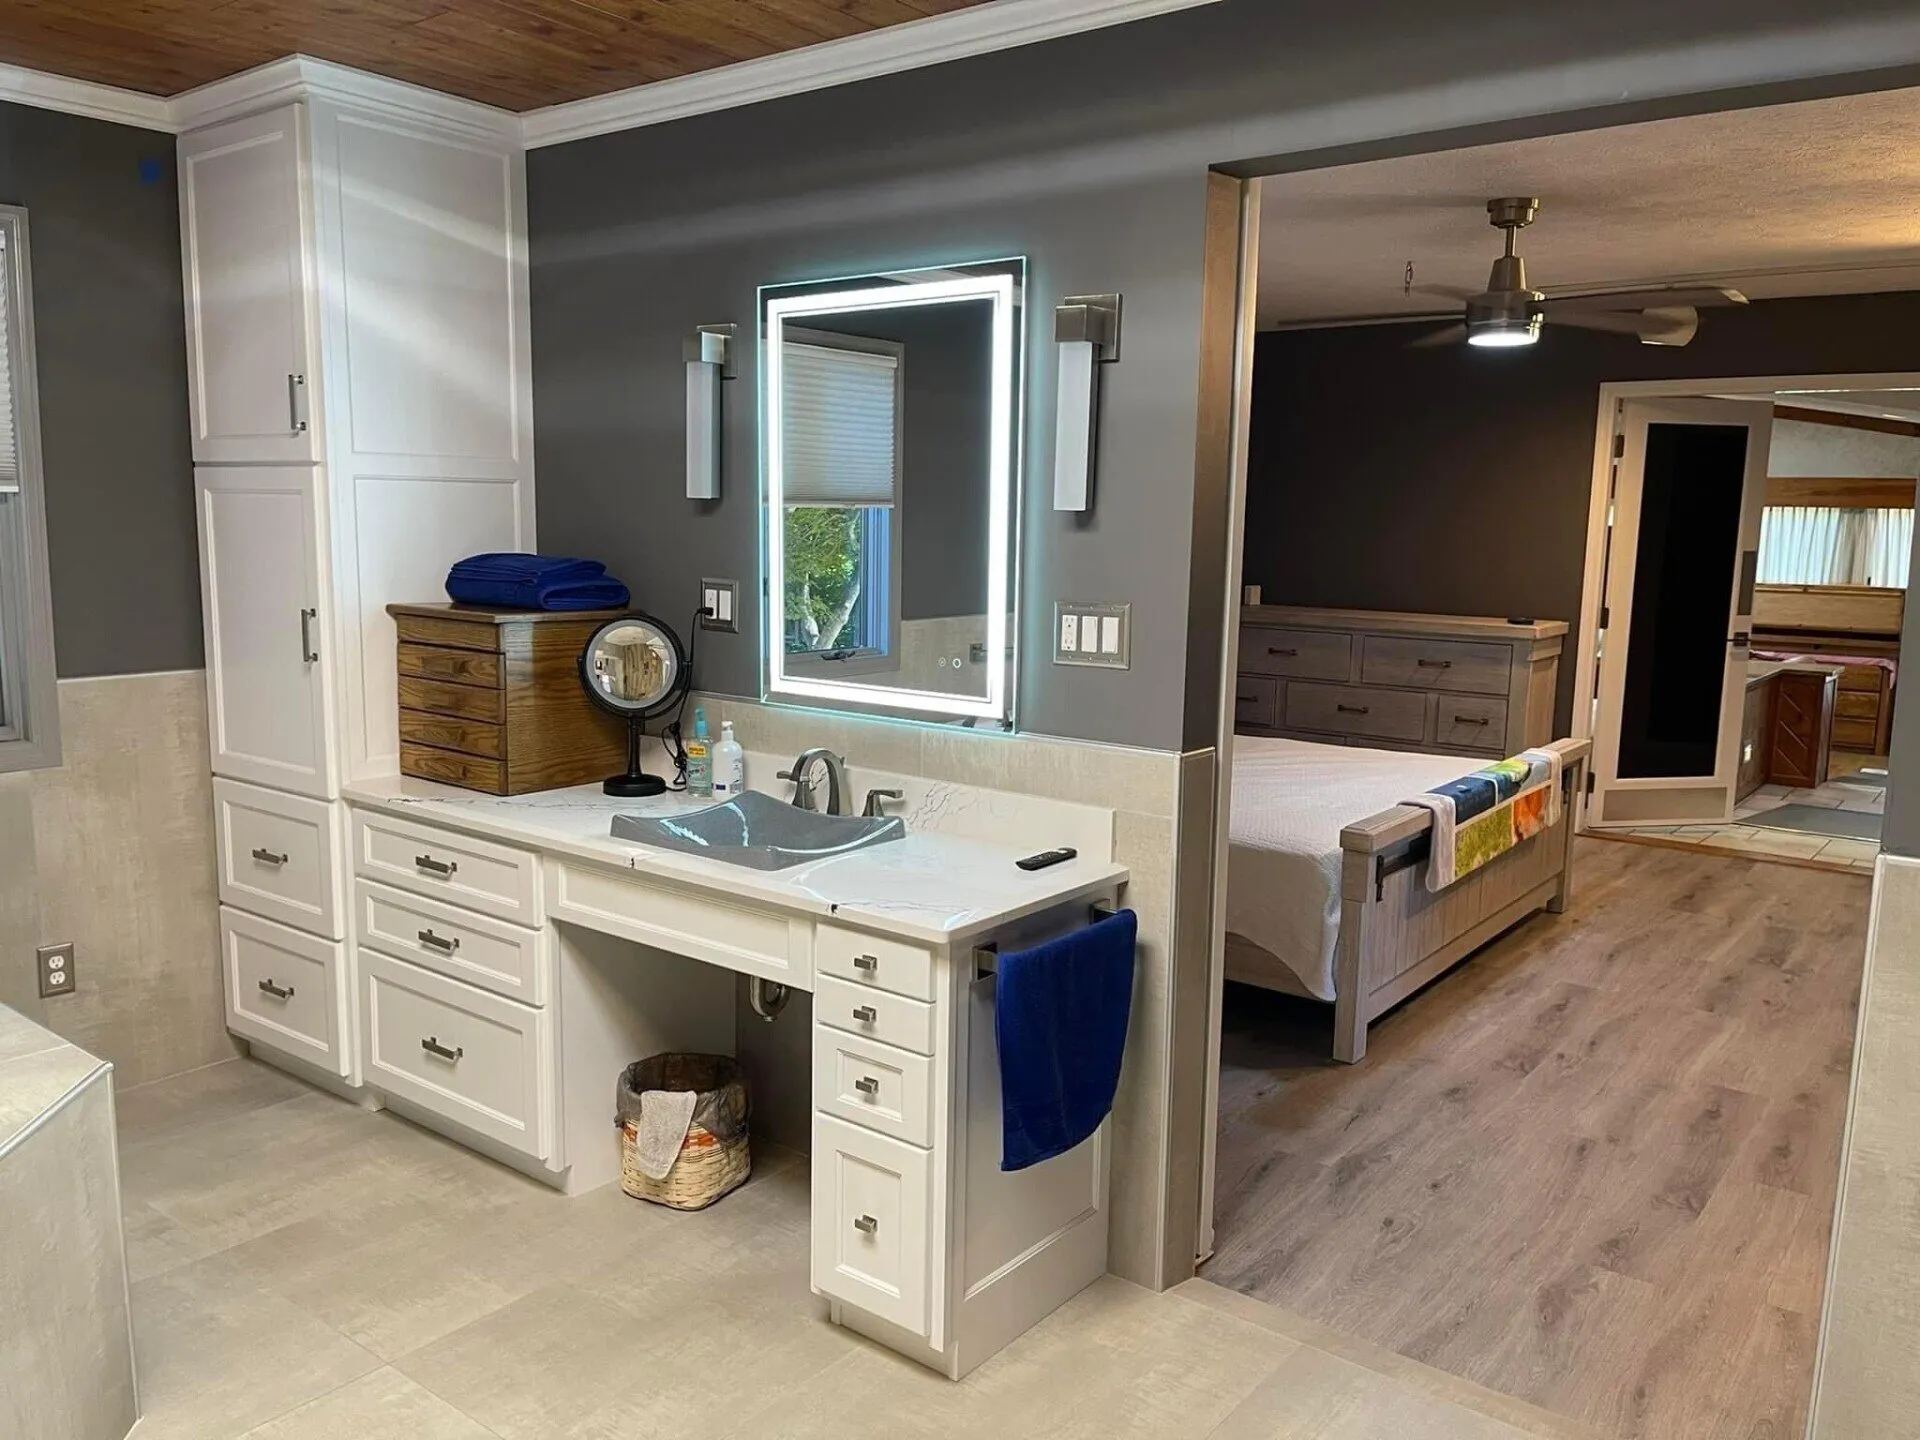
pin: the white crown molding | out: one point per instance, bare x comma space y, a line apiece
301, 77
83, 97
978, 30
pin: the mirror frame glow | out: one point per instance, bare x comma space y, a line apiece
1001, 288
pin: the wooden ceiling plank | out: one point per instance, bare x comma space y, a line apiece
1846, 420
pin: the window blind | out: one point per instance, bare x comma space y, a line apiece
9, 402
840, 426
1826, 545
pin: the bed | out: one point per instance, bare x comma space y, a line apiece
1326, 887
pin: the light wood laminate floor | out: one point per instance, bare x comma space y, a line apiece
1594, 1168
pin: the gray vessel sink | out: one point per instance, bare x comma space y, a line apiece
759, 832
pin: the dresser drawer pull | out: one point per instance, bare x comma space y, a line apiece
865, 1224
1471, 720
1434, 664
268, 857
439, 942
442, 868
279, 992
868, 963
433, 1046
1352, 709
865, 1014
867, 1085
1287, 652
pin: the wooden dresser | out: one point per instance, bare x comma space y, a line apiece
491, 699
1455, 684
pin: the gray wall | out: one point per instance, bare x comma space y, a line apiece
1456, 480
105, 250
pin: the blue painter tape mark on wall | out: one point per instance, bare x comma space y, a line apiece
152, 172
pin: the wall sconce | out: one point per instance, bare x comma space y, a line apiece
1086, 334
709, 362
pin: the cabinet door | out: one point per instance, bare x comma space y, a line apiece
267, 690
244, 232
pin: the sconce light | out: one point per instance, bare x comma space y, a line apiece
709, 362
1086, 334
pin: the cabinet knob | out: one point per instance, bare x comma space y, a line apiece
867, 1085
865, 1014
865, 1224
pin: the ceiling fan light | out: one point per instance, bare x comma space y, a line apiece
1503, 334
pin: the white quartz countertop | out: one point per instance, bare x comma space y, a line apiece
931, 886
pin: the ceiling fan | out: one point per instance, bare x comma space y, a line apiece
1508, 313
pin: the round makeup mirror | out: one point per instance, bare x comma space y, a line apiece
634, 667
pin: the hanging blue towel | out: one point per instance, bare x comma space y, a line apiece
535, 582
1060, 1017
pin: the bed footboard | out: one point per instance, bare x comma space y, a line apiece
1396, 935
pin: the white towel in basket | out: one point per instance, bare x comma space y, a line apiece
665, 1116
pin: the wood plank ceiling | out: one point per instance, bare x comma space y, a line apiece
517, 54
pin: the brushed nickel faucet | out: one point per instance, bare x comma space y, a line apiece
803, 786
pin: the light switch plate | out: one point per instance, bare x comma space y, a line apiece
723, 598
1085, 633
54, 964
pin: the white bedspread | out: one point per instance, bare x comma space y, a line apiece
1291, 800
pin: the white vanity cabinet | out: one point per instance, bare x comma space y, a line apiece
359, 381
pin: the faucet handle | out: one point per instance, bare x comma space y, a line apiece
802, 787
874, 809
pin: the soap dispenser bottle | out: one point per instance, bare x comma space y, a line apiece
700, 758
729, 764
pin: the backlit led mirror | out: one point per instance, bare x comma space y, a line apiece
890, 421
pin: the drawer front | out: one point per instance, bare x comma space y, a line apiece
874, 1085
450, 767
1862, 677
1350, 710
1256, 702
1856, 734
466, 702
285, 989
496, 880
458, 667
505, 959
457, 1052
874, 1014
452, 630
869, 960
1857, 705
871, 1223
617, 902
450, 732
279, 856
1471, 722
1297, 654
1436, 664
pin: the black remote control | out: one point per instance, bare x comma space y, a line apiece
1047, 857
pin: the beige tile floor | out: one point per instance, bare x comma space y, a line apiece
305, 1270
1749, 833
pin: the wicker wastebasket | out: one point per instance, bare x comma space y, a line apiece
714, 1157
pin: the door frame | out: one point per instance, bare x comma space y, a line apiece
1593, 586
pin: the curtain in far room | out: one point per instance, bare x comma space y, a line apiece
1826, 545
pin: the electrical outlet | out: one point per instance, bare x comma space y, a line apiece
721, 598
55, 965
1096, 635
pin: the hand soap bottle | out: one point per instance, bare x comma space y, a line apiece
700, 758
729, 764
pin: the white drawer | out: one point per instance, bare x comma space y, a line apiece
457, 1052
279, 856
871, 1223
507, 959
875, 1014
618, 902
871, 960
496, 880
286, 989
874, 1085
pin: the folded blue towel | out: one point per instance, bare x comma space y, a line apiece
1060, 1017
535, 582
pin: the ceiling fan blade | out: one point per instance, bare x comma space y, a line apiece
1665, 325
1556, 305
1446, 335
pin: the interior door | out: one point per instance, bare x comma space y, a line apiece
267, 698
244, 237
1689, 483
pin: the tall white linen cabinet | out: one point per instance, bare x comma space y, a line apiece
360, 381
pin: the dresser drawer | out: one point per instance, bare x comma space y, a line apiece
457, 1052
1856, 734
496, 880
1297, 654
469, 702
285, 989
875, 1085
1862, 677
868, 960
506, 959
871, 1223
1256, 702
875, 1014
750, 940
459, 667
1350, 710
450, 767
450, 732
1436, 664
1857, 705
1470, 722
279, 856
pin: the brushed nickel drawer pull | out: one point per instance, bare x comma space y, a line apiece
1470, 720
1351, 709
867, 1085
1434, 664
1276, 650
442, 868
865, 1014
433, 1046
267, 857
279, 992
868, 963
439, 942
307, 652
865, 1224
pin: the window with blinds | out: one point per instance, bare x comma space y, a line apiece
1827, 545
29, 715
840, 424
